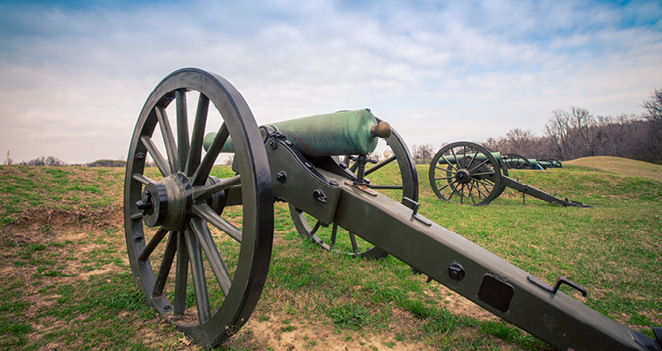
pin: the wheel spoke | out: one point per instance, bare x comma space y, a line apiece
198, 275
454, 191
480, 164
204, 211
380, 165
457, 162
166, 264
159, 160
450, 165
447, 185
481, 181
142, 179
470, 188
213, 256
444, 178
201, 193
168, 137
153, 243
480, 193
486, 189
482, 174
448, 170
181, 275
197, 137
182, 128
201, 173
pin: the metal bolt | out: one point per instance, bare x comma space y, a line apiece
333, 183
281, 177
167, 307
138, 238
319, 196
456, 271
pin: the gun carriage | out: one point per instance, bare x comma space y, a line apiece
466, 172
187, 226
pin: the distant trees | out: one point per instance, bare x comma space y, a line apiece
44, 161
107, 163
423, 153
579, 133
653, 115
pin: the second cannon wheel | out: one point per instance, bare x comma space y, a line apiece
465, 173
394, 176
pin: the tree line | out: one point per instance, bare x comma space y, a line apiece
567, 135
53, 161
579, 133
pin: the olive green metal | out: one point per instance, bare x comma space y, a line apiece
550, 163
467, 173
487, 280
477, 156
171, 218
464, 172
185, 205
473, 272
340, 133
337, 238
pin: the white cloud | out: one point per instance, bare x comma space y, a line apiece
74, 80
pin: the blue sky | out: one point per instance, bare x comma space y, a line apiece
74, 75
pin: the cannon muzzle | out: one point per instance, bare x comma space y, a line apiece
340, 133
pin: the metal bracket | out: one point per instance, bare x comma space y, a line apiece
556, 287
414, 207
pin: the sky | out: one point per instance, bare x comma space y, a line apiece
75, 74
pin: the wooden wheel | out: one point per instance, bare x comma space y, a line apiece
335, 238
465, 172
175, 215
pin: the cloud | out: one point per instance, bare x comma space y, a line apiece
74, 76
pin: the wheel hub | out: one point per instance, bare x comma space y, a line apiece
168, 203
463, 176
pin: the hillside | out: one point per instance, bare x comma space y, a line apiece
620, 165
68, 284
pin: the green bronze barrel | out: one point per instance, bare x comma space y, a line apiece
339, 133
480, 157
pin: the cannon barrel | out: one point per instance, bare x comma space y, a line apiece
339, 133
475, 157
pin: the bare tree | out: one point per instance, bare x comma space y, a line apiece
653, 106
519, 141
653, 114
54, 161
424, 153
557, 130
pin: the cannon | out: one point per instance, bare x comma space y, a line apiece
517, 161
550, 163
186, 225
467, 172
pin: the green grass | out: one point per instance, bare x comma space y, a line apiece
67, 283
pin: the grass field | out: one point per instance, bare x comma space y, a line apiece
66, 280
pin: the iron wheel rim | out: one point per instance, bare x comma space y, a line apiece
189, 243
